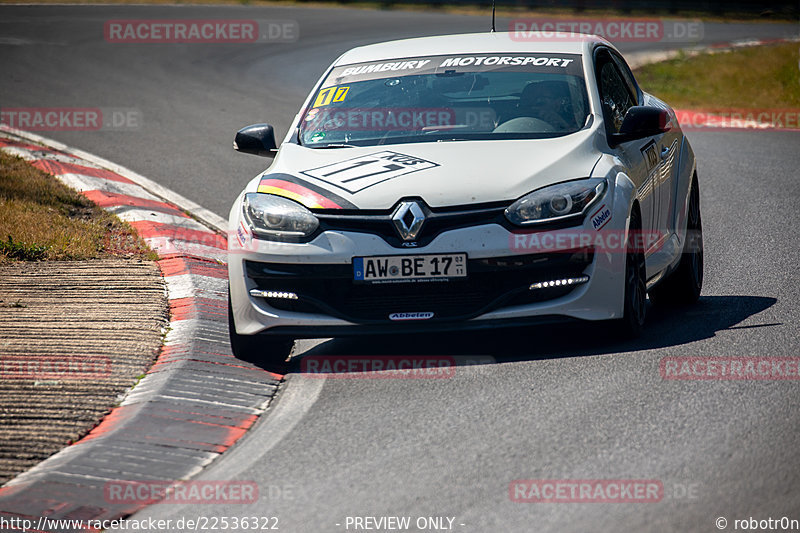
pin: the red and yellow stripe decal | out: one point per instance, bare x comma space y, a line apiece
296, 192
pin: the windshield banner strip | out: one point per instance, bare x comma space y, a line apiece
453, 64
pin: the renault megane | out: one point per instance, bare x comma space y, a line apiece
464, 182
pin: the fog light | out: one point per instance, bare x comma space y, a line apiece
273, 294
559, 282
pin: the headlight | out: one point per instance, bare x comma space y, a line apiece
275, 217
556, 202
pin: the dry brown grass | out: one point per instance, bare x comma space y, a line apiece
43, 219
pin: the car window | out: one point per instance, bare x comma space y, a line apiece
627, 75
615, 95
439, 98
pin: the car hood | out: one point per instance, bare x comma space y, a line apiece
453, 173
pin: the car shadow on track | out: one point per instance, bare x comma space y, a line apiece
665, 327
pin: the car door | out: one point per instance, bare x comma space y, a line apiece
666, 148
640, 156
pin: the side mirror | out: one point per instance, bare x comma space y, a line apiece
258, 139
640, 122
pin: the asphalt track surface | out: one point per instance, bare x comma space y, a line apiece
547, 403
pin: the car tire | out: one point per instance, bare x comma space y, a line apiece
635, 310
683, 286
266, 351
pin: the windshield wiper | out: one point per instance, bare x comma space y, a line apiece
334, 145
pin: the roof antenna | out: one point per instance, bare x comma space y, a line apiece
493, 12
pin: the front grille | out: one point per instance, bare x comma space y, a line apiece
491, 284
437, 220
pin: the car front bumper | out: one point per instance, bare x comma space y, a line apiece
497, 292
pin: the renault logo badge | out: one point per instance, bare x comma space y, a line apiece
408, 219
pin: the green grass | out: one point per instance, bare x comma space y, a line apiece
763, 77
43, 219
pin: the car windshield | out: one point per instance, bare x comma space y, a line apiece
447, 98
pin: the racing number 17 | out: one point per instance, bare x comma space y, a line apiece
387, 168
357, 174
332, 94
445, 261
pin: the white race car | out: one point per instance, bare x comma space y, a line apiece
464, 182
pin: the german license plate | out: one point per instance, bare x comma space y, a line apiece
405, 268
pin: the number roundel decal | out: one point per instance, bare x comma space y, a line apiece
357, 174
